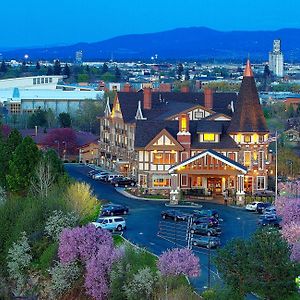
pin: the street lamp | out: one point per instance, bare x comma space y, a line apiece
57, 142
65, 149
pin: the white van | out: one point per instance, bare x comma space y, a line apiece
111, 223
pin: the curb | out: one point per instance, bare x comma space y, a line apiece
184, 206
128, 195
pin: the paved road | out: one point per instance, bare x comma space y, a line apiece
144, 219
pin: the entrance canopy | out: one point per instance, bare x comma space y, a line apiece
209, 162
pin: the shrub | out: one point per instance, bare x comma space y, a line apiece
47, 257
58, 221
142, 284
80, 199
18, 261
63, 277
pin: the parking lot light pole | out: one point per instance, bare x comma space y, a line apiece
209, 262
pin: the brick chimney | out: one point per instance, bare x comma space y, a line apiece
127, 87
208, 98
184, 135
185, 89
165, 87
147, 98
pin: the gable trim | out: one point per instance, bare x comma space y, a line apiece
189, 110
214, 154
161, 133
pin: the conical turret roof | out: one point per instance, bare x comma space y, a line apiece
248, 115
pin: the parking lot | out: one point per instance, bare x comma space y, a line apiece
146, 228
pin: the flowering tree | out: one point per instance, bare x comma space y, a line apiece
291, 232
93, 247
177, 261
291, 211
289, 189
61, 139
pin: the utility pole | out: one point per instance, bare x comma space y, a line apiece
209, 262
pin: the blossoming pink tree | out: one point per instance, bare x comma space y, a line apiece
93, 248
177, 261
291, 232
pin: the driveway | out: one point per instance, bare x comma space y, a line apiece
144, 219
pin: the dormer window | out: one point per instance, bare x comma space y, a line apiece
247, 138
209, 137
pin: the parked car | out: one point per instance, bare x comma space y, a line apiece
270, 210
261, 206
114, 209
205, 229
112, 176
206, 213
175, 215
252, 206
269, 220
98, 173
92, 172
111, 223
211, 221
265, 193
121, 181
206, 241
100, 176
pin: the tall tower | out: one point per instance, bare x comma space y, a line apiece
249, 130
276, 59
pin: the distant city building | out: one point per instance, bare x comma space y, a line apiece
276, 59
27, 94
78, 57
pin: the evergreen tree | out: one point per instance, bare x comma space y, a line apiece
187, 74
24, 67
49, 71
179, 71
7, 148
22, 166
67, 71
117, 74
38, 118
64, 120
55, 163
104, 69
38, 66
3, 67
57, 68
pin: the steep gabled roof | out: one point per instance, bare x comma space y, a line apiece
166, 104
148, 130
248, 115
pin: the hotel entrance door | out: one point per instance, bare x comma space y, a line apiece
215, 185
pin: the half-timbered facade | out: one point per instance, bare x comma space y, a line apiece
182, 141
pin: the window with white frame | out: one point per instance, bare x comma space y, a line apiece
161, 181
260, 182
142, 180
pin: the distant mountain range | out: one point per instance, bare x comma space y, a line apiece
199, 43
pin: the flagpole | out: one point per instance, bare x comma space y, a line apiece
276, 166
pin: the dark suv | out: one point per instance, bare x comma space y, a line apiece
121, 181
114, 209
204, 229
261, 206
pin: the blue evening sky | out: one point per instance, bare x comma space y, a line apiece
39, 22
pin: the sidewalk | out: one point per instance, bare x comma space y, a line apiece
128, 195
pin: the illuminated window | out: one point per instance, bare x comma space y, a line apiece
247, 158
261, 138
183, 124
260, 182
208, 137
142, 180
161, 181
261, 160
247, 138
161, 158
